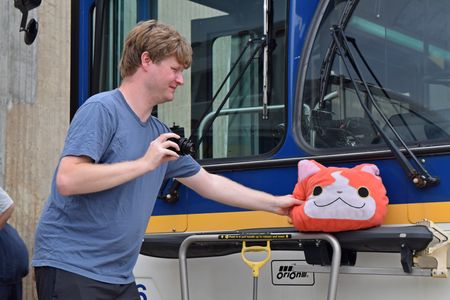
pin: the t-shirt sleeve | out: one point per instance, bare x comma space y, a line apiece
185, 166
90, 132
5, 201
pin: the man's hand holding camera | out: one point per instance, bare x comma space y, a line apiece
168, 146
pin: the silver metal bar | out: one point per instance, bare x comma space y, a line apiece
255, 288
335, 261
365, 270
265, 113
229, 111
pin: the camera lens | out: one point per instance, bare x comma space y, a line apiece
186, 146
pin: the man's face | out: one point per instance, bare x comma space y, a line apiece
164, 78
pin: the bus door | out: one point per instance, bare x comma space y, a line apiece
224, 106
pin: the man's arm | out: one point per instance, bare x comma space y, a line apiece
4, 216
226, 191
80, 175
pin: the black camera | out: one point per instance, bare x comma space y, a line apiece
186, 146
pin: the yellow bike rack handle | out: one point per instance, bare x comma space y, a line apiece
255, 265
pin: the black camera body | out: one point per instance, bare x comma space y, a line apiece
186, 146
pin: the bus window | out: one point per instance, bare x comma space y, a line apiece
220, 104
116, 21
404, 54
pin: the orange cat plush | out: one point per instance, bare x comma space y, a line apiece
338, 199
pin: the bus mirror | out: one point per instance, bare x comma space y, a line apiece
31, 29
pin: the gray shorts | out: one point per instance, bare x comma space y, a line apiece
53, 283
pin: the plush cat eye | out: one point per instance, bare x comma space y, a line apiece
363, 192
317, 190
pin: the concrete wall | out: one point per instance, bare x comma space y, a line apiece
34, 110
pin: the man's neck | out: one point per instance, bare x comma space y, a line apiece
137, 98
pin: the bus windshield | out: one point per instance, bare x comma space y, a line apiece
405, 59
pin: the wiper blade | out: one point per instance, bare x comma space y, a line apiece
421, 177
380, 86
331, 51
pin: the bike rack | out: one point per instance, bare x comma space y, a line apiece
334, 266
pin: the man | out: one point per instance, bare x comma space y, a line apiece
115, 158
13, 253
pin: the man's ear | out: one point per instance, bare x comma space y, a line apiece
145, 59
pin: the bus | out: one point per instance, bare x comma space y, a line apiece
273, 82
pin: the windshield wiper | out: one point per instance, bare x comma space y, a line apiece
420, 176
383, 90
395, 106
327, 62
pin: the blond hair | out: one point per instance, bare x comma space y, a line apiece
159, 40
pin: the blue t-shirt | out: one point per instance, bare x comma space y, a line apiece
99, 235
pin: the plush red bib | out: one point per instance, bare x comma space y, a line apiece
338, 199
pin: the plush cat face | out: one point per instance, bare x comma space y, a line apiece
338, 199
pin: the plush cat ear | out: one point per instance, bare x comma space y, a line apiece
307, 168
370, 168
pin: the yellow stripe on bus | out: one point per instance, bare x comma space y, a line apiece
228, 221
